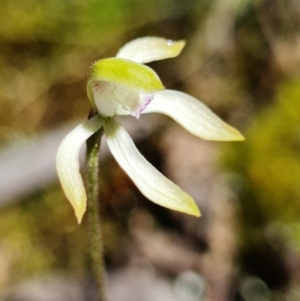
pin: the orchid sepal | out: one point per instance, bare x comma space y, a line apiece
193, 115
152, 184
149, 49
67, 163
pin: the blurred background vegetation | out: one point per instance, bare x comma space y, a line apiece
243, 60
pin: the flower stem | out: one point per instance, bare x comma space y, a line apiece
95, 236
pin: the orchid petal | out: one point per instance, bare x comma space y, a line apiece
149, 49
193, 115
67, 163
118, 86
149, 180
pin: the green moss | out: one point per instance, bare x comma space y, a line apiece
40, 235
269, 164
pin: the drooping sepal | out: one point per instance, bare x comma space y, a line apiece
155, 186
67, 163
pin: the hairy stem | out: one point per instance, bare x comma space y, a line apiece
94, 225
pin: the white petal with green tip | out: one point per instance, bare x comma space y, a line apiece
193, 115
149, 49
155, 186
67, 163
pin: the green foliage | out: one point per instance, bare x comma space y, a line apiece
33, 232
40, 235
268, 164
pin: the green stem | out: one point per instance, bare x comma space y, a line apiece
96, 246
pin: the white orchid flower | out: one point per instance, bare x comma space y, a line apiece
124, 86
